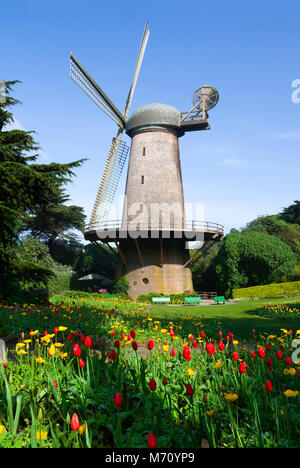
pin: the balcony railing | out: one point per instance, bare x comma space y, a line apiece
197, 226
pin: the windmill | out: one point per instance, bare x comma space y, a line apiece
151, 245
118, 150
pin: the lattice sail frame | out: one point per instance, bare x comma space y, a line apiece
110, 180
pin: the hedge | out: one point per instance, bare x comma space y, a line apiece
268, 290
174, 298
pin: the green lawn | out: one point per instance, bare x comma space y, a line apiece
239, 318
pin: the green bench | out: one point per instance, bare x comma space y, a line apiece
161, 299
219, 299
192, 300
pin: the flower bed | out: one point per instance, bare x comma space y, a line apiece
101, 377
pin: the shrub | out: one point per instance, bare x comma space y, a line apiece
268, 290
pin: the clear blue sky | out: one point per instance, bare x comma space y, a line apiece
247, 165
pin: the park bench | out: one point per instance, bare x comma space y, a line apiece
219, 299
192, 300
158, 300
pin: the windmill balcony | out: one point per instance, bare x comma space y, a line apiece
189, 231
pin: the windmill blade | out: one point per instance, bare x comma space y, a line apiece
81, 77
111, 175
143, 45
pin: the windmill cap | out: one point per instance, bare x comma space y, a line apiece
152, 115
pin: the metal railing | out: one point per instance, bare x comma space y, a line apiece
197, 226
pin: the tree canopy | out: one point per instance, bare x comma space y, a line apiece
26, 187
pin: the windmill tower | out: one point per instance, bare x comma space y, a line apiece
151, 238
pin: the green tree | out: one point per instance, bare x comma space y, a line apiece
291, 214
51, 223
276, 226
251, 259
25, 188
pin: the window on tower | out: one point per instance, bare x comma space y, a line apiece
144, 151
142, 179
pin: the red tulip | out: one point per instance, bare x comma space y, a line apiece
269, 386
220, 333
243, 367
164, 381
81, 363
268, 347
82, 337
113, 355
5, 364
195, 343
253, 354
230, 335
202, 334
221, 346
173, 352
76, 350
187, 353
172, 332
134, 345
118, 399
117, 344
56, 330
261, 352
75, 425
235, 356
288, 361
152, 442
189, 389
55, 383
210, 348
152, 384
70, 337
88, 341
150, 345
269, 363
132, 334
279, 355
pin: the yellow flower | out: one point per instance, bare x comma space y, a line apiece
27, 341
211, 412
51, 350
235, 342
21, 352
1, 429
33, 333
40, 360
20, 345
81, 429
165, 348
292, 371
291, 393
190, 372
163, 330
231, 397
63, 355
41, 435
218, 364
59, 345
62, 329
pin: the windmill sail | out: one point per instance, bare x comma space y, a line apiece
111, 175
81, 77
118, 150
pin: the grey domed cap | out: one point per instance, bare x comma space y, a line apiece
153, 115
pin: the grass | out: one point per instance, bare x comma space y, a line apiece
240, 318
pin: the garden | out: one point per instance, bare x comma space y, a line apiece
85, 370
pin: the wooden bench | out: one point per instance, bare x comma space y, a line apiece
192, 300
161, 300
219, 299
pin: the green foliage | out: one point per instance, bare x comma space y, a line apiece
26, 188
291, 214
251, 259
276, 226
92, 261
268, 290
204, 270
121, 285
